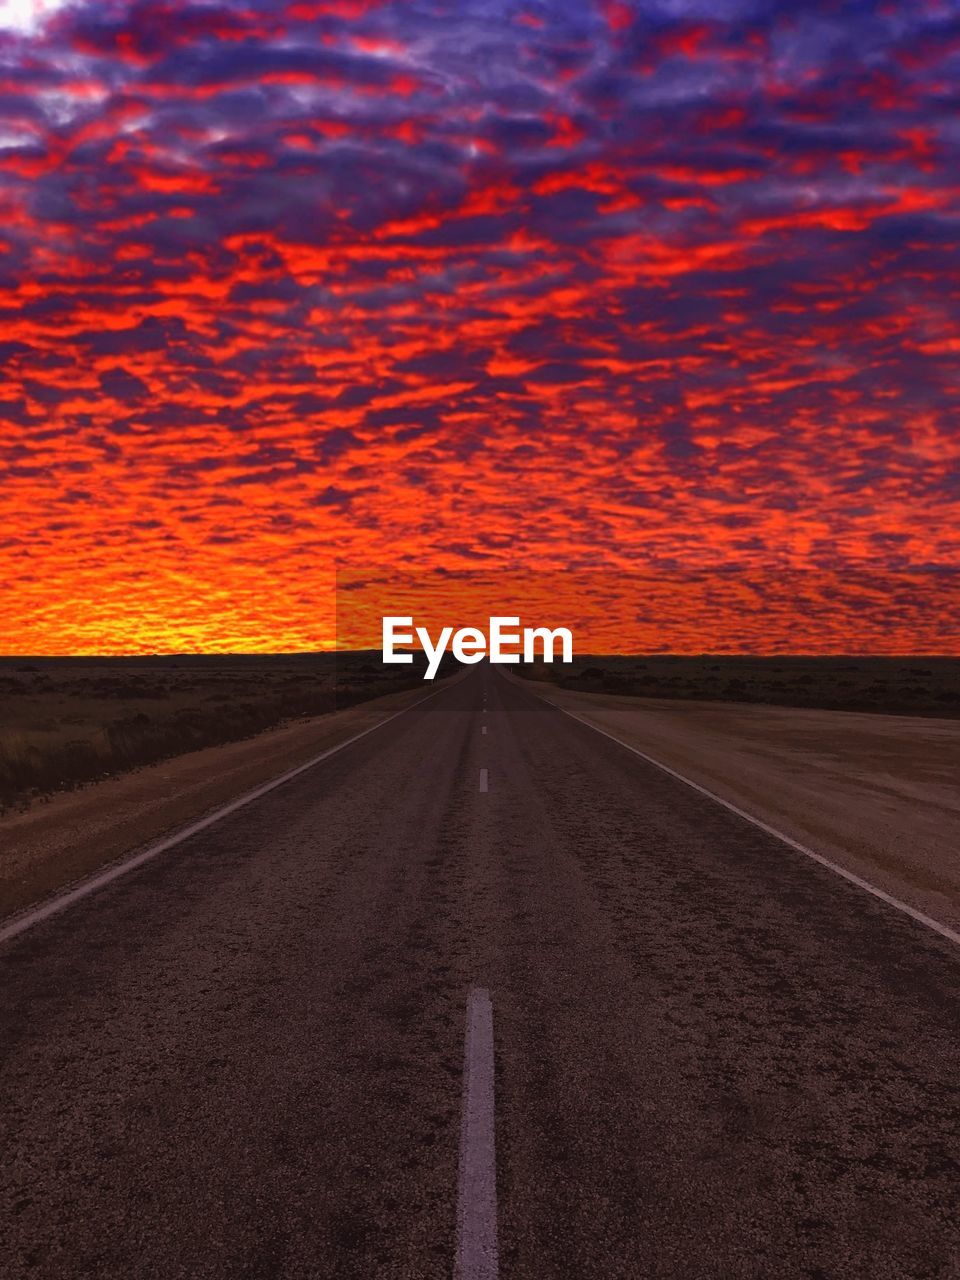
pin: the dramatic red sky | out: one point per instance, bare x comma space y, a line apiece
665, 288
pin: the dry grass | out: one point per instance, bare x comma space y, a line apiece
48, 845
65, 723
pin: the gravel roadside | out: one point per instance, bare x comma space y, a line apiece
61, 839
876, 794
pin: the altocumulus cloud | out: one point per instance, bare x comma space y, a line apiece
640, 285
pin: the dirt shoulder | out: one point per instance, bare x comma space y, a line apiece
71, 835
877, 794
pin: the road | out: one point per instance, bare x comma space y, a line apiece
713, 1057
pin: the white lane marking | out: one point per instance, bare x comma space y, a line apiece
483, 779
944, 930
60, 902
484, 730
477, 1253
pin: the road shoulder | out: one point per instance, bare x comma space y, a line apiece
72, 835
875, 794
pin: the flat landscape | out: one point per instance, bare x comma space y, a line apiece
918, 686
876, 793
483, 994
98, 756
68, 722
358, 357
74, 831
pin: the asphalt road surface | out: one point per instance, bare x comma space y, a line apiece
702, 1054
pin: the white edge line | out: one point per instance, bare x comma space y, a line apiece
944, 930
477, 1251
25, 920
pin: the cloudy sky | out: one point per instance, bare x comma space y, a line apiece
597, 286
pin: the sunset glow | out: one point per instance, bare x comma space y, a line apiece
575, 288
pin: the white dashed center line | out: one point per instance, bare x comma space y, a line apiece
484, 730
483, 779
477, 1255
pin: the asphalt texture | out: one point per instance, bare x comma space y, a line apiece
713, 1057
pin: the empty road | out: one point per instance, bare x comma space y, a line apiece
701, 1054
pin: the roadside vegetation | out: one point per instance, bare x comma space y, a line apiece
66, 722
920, 686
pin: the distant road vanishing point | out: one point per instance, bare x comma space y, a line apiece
480, 994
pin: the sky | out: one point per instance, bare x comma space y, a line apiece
662, 291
